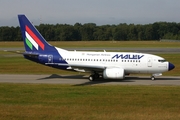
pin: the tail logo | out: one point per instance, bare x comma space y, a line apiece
32, 40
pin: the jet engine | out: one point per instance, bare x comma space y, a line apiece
113, 73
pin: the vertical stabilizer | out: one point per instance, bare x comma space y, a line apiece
33, 40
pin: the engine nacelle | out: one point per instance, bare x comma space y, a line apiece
113, 73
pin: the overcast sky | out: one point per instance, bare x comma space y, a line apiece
100, 12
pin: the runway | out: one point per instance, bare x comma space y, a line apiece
80, 80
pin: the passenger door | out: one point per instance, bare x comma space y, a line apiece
149, 62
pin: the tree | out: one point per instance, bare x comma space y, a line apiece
87, 31
90, 31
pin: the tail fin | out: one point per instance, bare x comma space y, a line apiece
33, 40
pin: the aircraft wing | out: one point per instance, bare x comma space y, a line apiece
81, 67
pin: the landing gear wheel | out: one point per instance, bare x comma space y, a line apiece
96, 76
152, 78
91, 78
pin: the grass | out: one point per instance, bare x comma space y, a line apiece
75, 44
46, 101
40, 101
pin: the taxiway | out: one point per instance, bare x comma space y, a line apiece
83, 80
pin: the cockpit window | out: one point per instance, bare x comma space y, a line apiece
162, 61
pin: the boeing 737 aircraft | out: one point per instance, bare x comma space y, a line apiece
109, 65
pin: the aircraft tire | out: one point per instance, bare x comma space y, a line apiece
152, 78
91, 78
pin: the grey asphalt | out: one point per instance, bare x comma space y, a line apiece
80, 80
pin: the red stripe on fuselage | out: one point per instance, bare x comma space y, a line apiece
38, 41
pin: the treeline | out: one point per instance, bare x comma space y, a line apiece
90, 31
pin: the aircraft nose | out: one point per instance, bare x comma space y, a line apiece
171, 66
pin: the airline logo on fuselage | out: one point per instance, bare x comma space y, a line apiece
127, 56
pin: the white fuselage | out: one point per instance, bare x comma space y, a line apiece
130, 62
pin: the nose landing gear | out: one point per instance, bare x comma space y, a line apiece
155, 75
152, 77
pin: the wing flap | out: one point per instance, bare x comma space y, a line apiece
81, 67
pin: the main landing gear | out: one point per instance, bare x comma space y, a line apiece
93, 77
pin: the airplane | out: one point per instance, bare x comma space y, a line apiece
109, 65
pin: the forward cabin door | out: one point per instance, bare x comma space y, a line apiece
149, 62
